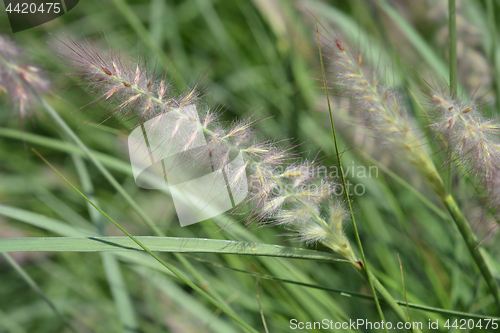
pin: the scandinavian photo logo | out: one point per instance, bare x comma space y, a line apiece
170, 149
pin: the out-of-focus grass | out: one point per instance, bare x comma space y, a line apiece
258, 56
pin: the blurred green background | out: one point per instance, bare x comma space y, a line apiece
259, 57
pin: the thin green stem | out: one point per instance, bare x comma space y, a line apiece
467, 234
404, 289
121, 297
260, 305
201, 280
155, 256
452, 27
490, 8
348, 200
391, 302
462, 225
476, 253
54, 115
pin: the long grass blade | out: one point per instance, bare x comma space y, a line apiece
119, 290
155, 256
161, 244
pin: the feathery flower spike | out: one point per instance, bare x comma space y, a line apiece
283, 190
471, 138
380, 108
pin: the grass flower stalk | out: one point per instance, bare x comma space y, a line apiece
452, 27
284, 190
103, 170
473, 141
109, 177
380, 109
348, 200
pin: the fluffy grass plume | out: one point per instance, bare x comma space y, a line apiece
284, 190
18, 79
472, 139
378, 106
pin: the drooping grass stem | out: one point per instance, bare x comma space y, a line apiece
139, 92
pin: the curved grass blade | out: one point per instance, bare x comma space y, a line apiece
160, 244
44, 222
347, 199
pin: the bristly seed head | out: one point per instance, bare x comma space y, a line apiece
379, 108
19, 80
128, 81
283, 189
471, 139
